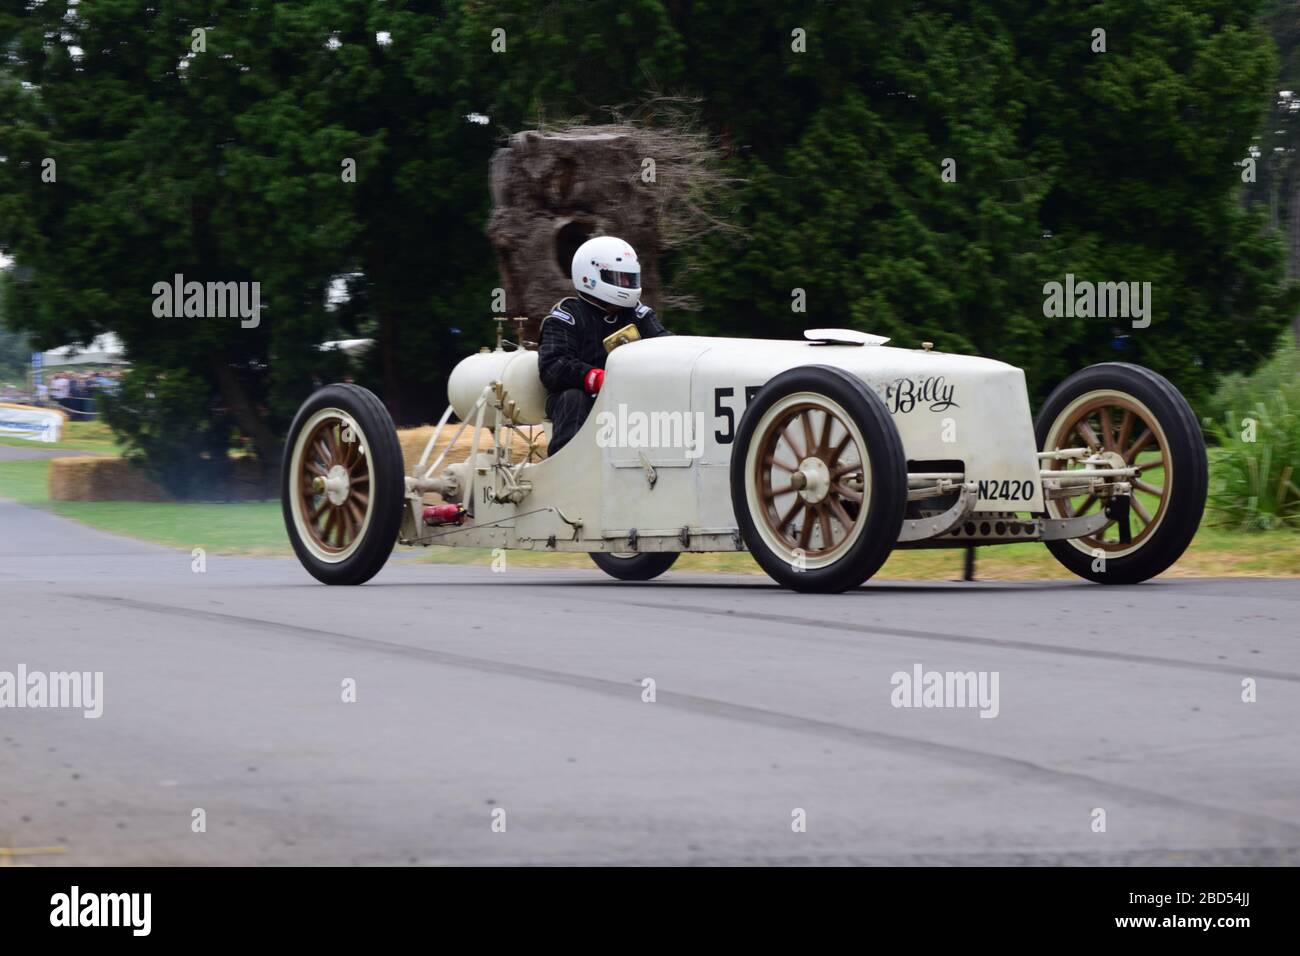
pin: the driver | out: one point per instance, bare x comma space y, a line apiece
571, 357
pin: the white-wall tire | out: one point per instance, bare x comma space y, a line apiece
342, 488
1139, 418
818, 479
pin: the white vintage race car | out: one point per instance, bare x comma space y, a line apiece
817, 456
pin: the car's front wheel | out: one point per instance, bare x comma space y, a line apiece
342, 488
1132, 417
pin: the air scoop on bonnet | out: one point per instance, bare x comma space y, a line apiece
843, 337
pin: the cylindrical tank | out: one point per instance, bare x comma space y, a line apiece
471, 375
516, 370
524, 387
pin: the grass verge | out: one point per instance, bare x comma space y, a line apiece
244, 527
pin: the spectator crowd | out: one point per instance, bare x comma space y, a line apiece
76, 392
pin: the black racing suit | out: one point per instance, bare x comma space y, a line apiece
573, 343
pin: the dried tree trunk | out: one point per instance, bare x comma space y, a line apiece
269, 446
550, 193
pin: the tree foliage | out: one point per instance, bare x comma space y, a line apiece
225, 165
15, 351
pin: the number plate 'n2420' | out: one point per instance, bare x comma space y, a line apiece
1006, 490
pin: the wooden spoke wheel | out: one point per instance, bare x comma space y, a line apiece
818, 479
811, 478
1131, 417
342, 486
334, 478
1127, 433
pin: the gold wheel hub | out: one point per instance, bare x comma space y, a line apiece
812, 480
335, 486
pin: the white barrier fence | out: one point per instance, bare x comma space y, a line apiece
27, 421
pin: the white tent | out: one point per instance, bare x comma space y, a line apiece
352, 347
106, 349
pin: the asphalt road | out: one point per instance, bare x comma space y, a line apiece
12, 453
522, 692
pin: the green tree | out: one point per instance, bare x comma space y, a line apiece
1275, 190
1114, 166
15, 350
176, 152
1143, 144
420, 270
841, 116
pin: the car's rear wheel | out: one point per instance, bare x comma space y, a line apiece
342, 488
818, 480
1134, 417
634, 567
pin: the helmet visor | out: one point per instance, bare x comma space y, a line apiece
624, 280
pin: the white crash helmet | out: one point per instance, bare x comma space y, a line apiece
606, 268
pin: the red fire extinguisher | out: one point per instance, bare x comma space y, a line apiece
445, 514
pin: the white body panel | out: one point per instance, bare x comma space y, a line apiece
946, 407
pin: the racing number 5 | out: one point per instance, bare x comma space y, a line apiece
722, 411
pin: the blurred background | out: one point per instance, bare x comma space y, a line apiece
211, 140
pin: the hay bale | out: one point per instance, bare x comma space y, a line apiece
104, 478
101, 479
413, 441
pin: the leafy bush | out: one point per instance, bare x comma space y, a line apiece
1256, 469
164, 418
1237, 392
